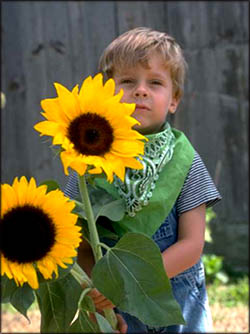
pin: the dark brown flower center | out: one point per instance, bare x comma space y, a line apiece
91, 134
27, 234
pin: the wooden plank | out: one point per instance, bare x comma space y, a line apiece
131, 14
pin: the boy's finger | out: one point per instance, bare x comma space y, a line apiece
98, 297
122, 325
94, 293
104, 305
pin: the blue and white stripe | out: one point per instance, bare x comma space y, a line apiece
198, 188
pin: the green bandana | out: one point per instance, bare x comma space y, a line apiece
138, 186
161, 190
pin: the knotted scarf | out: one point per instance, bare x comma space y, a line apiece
150, 195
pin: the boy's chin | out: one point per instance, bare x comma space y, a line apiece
145, 130
142, 130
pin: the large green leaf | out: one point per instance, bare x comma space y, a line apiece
8, 287
114, 210
22, 299
83, 324
85, 302
103, 204
103, 323
58, 303
79, 209
132, 276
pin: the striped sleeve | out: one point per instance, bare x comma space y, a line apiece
71, 189
198, 188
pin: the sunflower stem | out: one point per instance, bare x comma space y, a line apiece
80, 275
94, 239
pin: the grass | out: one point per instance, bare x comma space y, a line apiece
231, 294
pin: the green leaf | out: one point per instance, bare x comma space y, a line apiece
8, 287
103, 323
86, 303
58, 303
114, 210
83, 324
104, 233
22, 299
79, 209
51, 184
132, 276
103, 204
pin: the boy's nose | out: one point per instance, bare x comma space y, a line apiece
140, 91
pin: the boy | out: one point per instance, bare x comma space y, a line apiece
150, 68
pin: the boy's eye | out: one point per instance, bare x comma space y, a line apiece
156, 82
126, 81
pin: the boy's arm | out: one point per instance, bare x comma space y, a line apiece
85, 257
191, 238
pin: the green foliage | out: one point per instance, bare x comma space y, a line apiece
58, 303
231, 294
224, 285
210, 214
21, 298
83, 324
214, 268
132, 276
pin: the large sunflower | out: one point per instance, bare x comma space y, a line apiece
93, 128
37, 231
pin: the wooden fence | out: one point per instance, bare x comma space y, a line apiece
61, 41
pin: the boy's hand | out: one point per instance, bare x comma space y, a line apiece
122, 325
99, 300
102, 303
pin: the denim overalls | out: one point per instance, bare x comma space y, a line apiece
188, 288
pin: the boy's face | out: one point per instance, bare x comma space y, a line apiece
151, 89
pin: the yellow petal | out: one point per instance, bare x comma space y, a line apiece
109, 87
30, 273
127, 148
67, 101
5, 268
75, 90
79, 166
96, 170
47, 128
8, 198
53, 111
17, 273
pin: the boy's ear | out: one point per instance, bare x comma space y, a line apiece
174, 105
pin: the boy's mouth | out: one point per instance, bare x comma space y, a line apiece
141, 107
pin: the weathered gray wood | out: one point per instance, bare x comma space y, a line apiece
46, 42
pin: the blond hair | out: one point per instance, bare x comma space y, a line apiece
136, 45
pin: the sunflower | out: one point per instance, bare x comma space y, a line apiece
93, 128
37, 231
